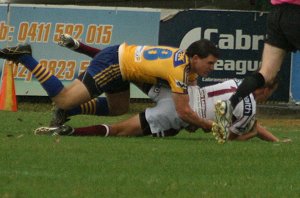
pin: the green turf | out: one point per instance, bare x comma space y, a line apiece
188, 165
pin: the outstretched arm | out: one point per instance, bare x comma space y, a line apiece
264, 134
260, 132
187, 114
246, 136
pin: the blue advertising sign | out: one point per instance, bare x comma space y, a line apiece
41, 26
295, 80
239, 36
4, 28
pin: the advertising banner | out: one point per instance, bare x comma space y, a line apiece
41, 26
3, 31
239, 36
295, 80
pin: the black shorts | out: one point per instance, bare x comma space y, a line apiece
283, 27
90, 84
103, 74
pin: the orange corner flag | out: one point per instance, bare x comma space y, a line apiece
8, 99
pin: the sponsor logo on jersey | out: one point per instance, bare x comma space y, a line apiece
181, 84
247, 106
179, 58
203, 103
138, 54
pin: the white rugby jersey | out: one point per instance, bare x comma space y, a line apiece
203, 100
164, 116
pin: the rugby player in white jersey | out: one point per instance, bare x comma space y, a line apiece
162, 119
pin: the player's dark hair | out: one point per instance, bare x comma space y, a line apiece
203, 48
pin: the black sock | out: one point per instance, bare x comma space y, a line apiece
249, 84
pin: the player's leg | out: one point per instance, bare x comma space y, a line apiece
77, 46
102, 75
276, 45
117, 95
134, 126
60, 116
271, 63
112, 105
64, 97
137, 125
95, 106
129, 127
282, 36
290, 24
65, 130
116, 103
22, 54
160, 118
107, 76
100, 106
70, 96
121, 99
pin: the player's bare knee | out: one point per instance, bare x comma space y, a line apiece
62, 104
61, 100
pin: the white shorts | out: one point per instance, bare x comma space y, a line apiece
163, 116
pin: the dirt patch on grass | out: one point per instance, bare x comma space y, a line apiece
280, 122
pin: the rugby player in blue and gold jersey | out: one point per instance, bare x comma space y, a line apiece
114, 67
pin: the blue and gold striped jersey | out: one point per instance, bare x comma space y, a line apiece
151, 64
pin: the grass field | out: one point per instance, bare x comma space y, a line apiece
188, 165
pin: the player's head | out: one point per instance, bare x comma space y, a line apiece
203, 54
263, 93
